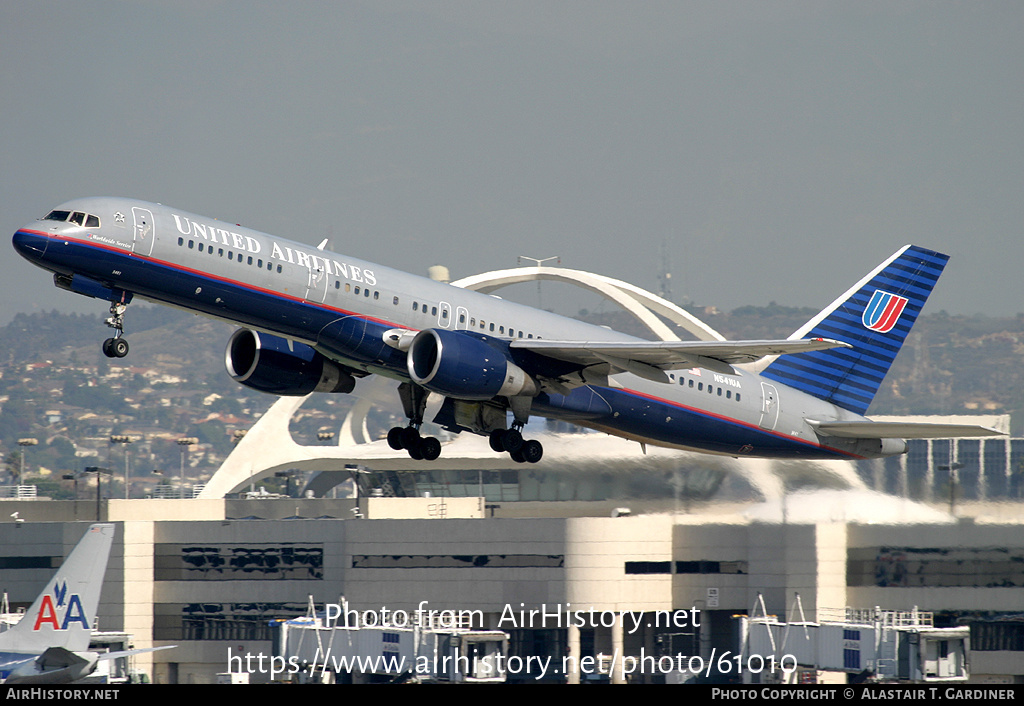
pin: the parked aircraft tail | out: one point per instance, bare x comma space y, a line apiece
63, 614
874, 317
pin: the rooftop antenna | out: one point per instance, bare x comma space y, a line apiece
519, 260
665, 272
556, 258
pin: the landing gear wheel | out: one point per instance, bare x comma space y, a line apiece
410, 438
430, 448
532, 451
108, 348
512, 440
415, 452
395, 438
119, 347
517, 456
494, 439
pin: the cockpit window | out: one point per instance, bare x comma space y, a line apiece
83, 219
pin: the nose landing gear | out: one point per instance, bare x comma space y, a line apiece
116, 347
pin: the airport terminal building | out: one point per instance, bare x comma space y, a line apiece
212, 576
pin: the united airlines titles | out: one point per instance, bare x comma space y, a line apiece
283, 253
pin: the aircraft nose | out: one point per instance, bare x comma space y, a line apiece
29, 245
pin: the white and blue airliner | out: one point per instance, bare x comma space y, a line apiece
316, 320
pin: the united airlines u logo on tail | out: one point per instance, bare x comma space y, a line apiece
883, 311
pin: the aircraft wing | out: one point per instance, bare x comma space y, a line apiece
901, 430
647, 358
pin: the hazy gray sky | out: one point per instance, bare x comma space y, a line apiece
782, 149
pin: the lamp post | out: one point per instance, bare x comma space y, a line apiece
24, 443
185, 442
287, 475
99, 471
123, 439
74, 478
357, 471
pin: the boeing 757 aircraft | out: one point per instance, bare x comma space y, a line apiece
315, 320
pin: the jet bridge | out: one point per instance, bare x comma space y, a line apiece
313, 652
875, 645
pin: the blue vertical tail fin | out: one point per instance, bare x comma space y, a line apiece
874, 316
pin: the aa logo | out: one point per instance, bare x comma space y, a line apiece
60, 602
883, 311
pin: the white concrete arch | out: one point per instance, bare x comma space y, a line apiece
638, 302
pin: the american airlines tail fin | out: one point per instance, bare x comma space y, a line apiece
63, 614
874, 317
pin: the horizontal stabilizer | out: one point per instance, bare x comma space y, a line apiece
671, 355
901, 430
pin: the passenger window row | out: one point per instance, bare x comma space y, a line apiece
366, 292
232, 255
700, 386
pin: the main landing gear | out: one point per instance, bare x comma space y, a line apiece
425, 448
419, 448
428, 448
511, 440
116, 347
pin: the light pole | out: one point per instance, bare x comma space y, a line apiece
123, 439
24, 444
184, 442
99, 471
74, 478
287, 475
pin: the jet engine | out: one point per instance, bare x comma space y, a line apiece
465, 366
282, 367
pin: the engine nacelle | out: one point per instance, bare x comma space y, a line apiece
282, 367
464, 366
